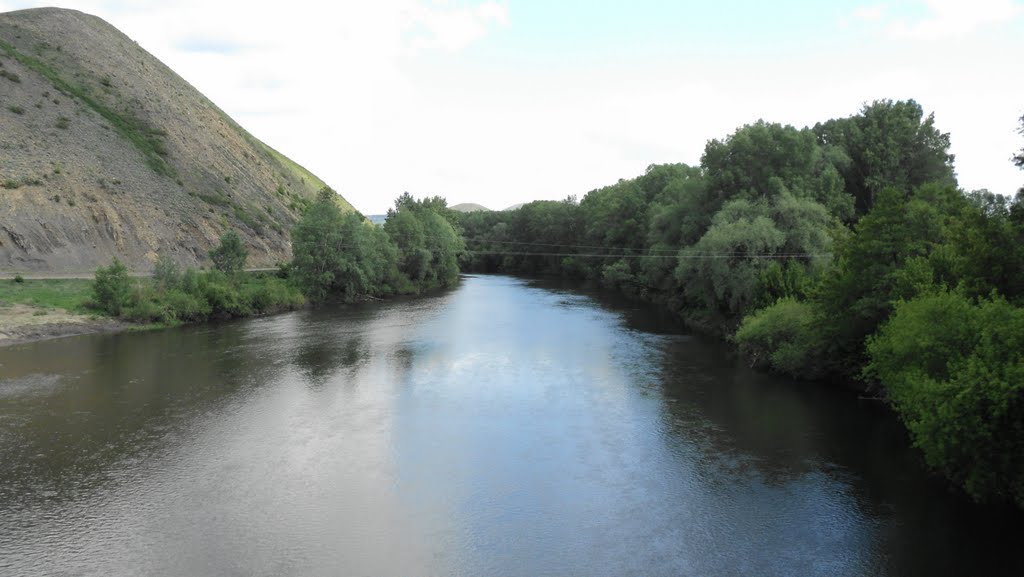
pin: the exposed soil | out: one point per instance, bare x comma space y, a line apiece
21, 323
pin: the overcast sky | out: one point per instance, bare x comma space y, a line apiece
501, 102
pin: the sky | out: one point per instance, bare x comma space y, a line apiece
500, 102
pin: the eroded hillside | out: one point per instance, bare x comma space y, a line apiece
105, 151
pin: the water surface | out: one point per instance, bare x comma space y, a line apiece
506, 427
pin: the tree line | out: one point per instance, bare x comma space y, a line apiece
843, 252
337, 256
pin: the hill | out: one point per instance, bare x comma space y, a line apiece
469, 207
105, 151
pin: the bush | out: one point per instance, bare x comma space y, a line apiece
112, 288
784, 338
954, 372
186, 307
230, 256
222, 296
19, 279
270, 294
166, 272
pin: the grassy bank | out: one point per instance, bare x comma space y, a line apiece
68, 294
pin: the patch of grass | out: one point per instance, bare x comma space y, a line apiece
247, 218
67, 294
145, 138
16, 109
11, 184
63, 123
214, 199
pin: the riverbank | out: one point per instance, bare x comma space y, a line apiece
21, 323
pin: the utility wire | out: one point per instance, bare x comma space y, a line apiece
680, 256
670, 252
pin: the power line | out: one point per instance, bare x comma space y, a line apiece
670, 252
680, 256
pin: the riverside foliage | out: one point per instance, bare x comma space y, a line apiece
841, 252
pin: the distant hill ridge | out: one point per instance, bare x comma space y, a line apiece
469, 207
105, 151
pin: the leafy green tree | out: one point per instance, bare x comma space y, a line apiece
166, 272
887, 258
340, 255
784, 337
724, 268
762, 159
954, 372
1018, 158
889, 144
230, 255
112, 288
428, 244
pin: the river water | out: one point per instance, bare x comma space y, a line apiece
506, 427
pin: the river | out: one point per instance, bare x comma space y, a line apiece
506, 427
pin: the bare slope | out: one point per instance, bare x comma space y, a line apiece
469, 207
105, 151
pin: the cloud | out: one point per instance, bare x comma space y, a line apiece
940, 19
451, 28
873, 13
203, 44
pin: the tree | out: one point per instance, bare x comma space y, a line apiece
230, 256
954, 371
112, 288
887, 258
761, 159
889, 144
428, 244
341, 255
1018, 159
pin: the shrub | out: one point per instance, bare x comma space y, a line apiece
112, 288
19, 279
16, 109
166, 272
784, 338
954, 372
187, 307
230, 256
270, 294
222, 296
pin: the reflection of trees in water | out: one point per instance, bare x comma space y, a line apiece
321, 355
118, 396
746, 426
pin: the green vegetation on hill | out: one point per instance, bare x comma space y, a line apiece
147, 139
842, 252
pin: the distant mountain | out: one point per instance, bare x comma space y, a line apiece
105, 151
516, 206
377, 218
469, 207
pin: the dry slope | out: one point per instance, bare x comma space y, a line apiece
105, 151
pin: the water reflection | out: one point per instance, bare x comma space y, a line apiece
504, 428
